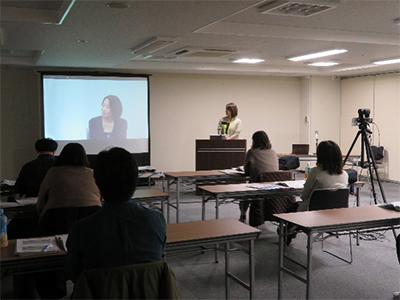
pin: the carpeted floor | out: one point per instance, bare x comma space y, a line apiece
374, 273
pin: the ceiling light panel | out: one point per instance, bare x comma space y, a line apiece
316, 55
295, 8
248, 60
153, 45
323, 64
387, 61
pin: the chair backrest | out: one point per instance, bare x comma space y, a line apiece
274, 176
154, 280
329, 198
60, 220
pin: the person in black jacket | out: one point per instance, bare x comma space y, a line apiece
27, 185
32, 173
109, 125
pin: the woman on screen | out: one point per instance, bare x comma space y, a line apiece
109, 125
230, 125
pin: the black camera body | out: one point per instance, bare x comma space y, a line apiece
363, 117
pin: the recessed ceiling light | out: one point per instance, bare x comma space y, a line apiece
356, 68
323, 64
248, 60
119, 5
82, 41
396, 21
387, 61
316, 54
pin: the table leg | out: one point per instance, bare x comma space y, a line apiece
216, 207
252, 268
203, 206
281, 250
309, 265
177, 200
226, 271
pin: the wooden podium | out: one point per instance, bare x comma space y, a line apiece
219, 154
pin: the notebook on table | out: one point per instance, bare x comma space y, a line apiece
300, 148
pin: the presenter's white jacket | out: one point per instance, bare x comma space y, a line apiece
235, 127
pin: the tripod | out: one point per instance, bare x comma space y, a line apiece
370, 162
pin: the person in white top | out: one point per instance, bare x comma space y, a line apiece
230, 125
327, 174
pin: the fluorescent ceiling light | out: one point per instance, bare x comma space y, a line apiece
387, 61
316, 55
248, 60
356, 68
323, 64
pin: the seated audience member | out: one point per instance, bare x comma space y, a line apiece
122, 232
32, 173
327, 174
259, 159
27, 185
69, 183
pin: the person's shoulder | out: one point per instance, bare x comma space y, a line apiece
150, 212
121, 122
95, 120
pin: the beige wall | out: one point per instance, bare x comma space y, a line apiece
20, 119
381, 94
184, 108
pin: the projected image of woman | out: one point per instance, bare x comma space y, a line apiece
109, 125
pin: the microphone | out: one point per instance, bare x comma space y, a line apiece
316, 140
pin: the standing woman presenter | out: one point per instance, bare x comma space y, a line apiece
230, 125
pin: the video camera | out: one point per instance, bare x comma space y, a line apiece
363, 117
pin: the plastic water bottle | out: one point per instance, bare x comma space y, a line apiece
3, 220
307, 170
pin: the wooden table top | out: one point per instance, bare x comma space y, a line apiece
341, 216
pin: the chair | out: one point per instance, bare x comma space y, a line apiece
60, 220
328, 199
263, 210
52, 284
154, 280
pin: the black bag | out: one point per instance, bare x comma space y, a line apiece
378, 152
289, 162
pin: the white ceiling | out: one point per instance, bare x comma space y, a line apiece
46, 34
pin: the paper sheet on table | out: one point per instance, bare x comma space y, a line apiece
296, 184
27, 201
36, 246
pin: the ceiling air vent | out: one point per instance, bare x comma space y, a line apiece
296, 8
203, 52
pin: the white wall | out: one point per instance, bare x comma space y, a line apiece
184, 108
324, 110
381, 94
188, 107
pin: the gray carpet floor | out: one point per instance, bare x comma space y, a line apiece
374, 273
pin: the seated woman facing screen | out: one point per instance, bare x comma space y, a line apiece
69, 183
327, 174
259, 159
230, 125
109, 125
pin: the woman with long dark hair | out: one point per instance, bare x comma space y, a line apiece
259, 159
327, 174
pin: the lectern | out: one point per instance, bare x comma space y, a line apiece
219, 154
